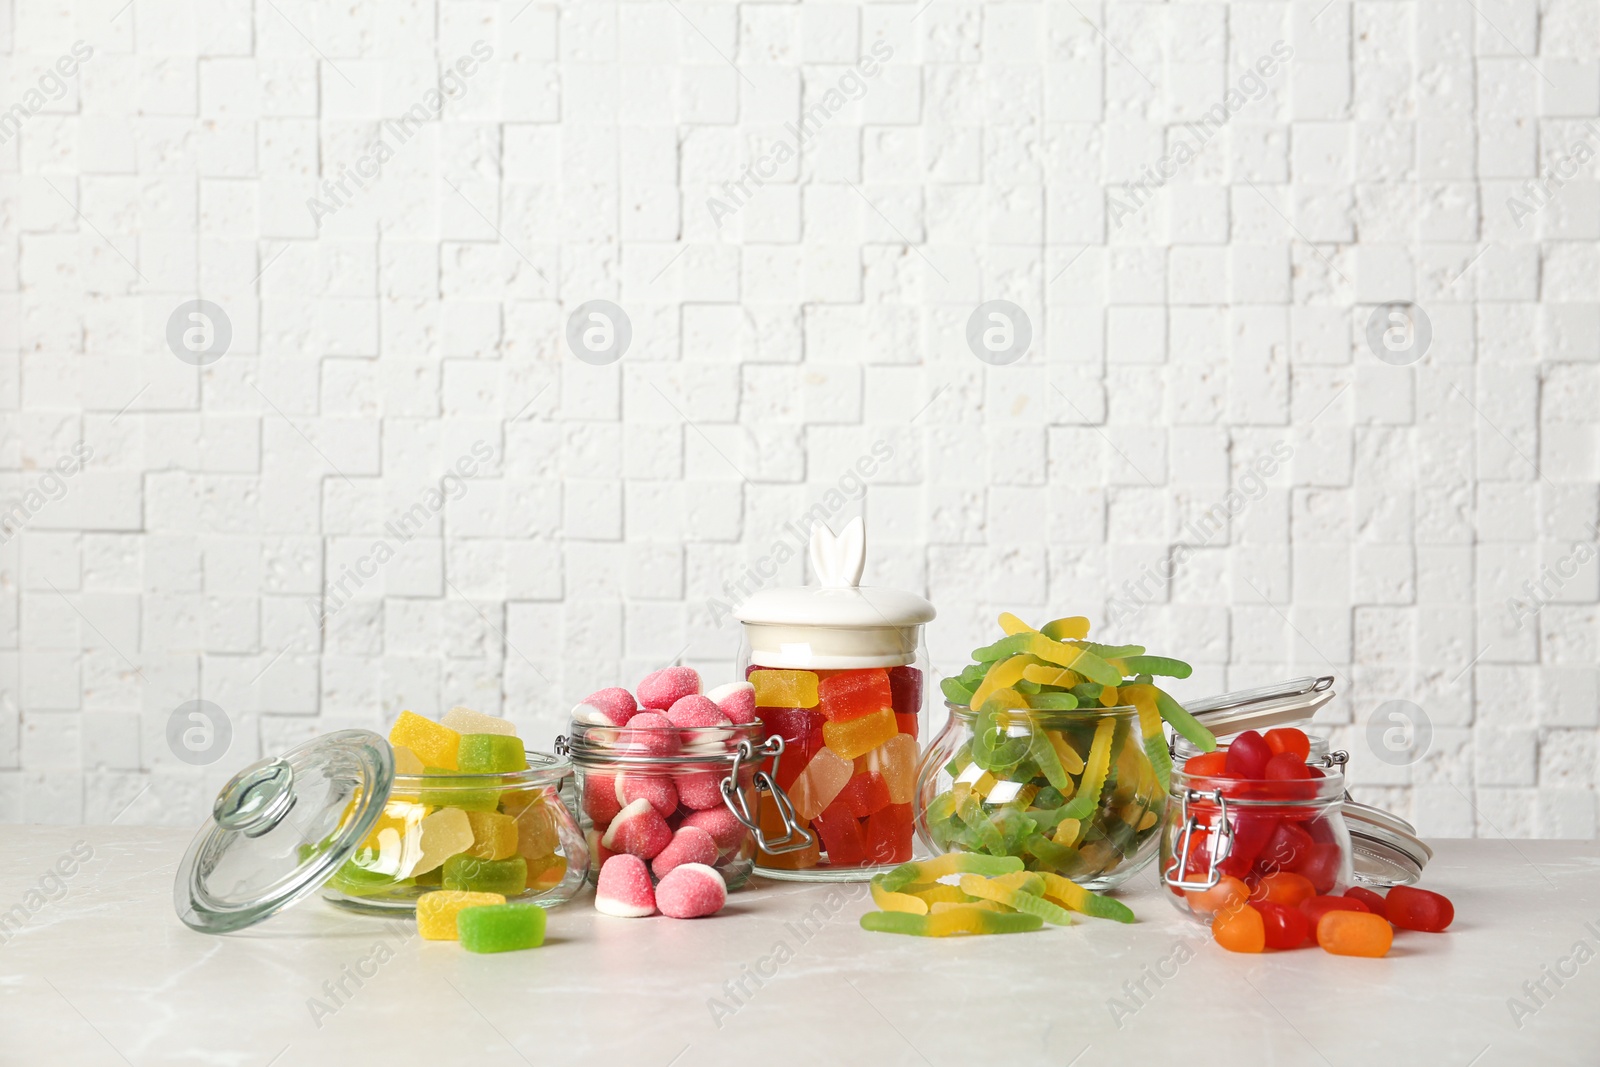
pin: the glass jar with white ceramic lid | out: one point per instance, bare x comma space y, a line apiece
839, 673
333, 815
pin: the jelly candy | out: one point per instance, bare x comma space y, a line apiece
1284, 887
537, 834
1351, 933
445, 833
1013, 625
785, 689
1317, 907
1206, 765
1288, 739
905, 688
1239, 929
841, 836
772, 829
937, 893
736, 700
896, 761
1228, 894
1285, 767
1321, 865
859, 736
624, 889
691, 891
865, 794
501, 927
1180, 720
852, 694
888, 901
1072, 628
1283, 926
931, 870
689, 844
1373, 902
1070, 894
466, 721
1002, 675
889, 833
1143, 697
494, 836
819, 783
448, 789
1026, 903
664, 688
1095, 769
546, 872
1247, 755
795, 726
435, 745
1075, 656
508, 876
437, 911
959, 920
406, 761
1287, 848
1418, 909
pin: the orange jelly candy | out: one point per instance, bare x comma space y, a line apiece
1285, 887
1228, 894
1354, 933
1240, 929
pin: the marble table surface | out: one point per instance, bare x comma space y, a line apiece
96, 969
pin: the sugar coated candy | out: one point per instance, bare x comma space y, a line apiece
437, 911
624, 888
691, 891
649, 733
658, 789
639, 830
466, 721
501, 927
491, 754
699, 719
406, 761
725, 829
434, 745
699, 790
508, 876
601, 801
737, 701
857, 737
689, 844
608, 707
852, 694
494, 835
785, 689
661, 689
445, 833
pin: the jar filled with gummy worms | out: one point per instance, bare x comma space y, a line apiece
838, 673
637, 780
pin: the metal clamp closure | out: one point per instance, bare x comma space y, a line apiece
1221, 844
795, 837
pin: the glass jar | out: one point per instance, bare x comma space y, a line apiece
839, 673
1022, 783
523, 842
1220, 833
697, 776
331, 814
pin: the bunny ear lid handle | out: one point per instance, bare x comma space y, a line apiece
839, 559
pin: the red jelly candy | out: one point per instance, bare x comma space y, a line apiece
906, 724
1317, 907
1248, 754
841, 836
865, 794
1373, 901
796, 726
1418, 909
906, 685
1289, 845
852, 694
1250, 835
1285, 927
1288, 739
889, 834
1321, 866
1207, 764
1286, 767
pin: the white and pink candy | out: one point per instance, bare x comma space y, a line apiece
737, 701
691, 891
689, 844
624, 888
638, 830
664, 688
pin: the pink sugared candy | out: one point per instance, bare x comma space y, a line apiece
657, 789
698, 717
600, 801
700, 789
691, 891
624, 888
648, 733
608, 707
727, 831
667, 686
598, 853
638, 830
737, 701
689, 845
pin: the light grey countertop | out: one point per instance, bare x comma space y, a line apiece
105, 974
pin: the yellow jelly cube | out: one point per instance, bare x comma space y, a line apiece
435, 745
536, 831
494, 836
437, 911
785, 689
394, 840
545, 873
856, 737
406, 761
466, 721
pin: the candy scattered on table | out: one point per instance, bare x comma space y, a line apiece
501, 927
691, 891
1344, 925
994, 896
437, 911
624, 888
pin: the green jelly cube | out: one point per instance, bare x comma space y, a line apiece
447, 789
501, 927
491, 754
506, 877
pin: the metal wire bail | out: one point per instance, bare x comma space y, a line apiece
1221, 847
795, 837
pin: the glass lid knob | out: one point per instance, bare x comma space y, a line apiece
256, 799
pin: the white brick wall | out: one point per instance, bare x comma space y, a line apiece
1180, 331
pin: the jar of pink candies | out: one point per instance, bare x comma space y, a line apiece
838, 674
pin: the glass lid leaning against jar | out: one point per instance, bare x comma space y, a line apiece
838, 673
374, 827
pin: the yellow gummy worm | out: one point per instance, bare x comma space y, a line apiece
1003, 675
972, 903
896, 901
1049, 674
1026, 903
1013, 625
1021, 881
1069, 755
939, 893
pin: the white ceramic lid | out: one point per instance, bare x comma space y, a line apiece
840, 624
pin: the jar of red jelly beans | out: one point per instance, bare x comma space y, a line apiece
1236, 828
839, 673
